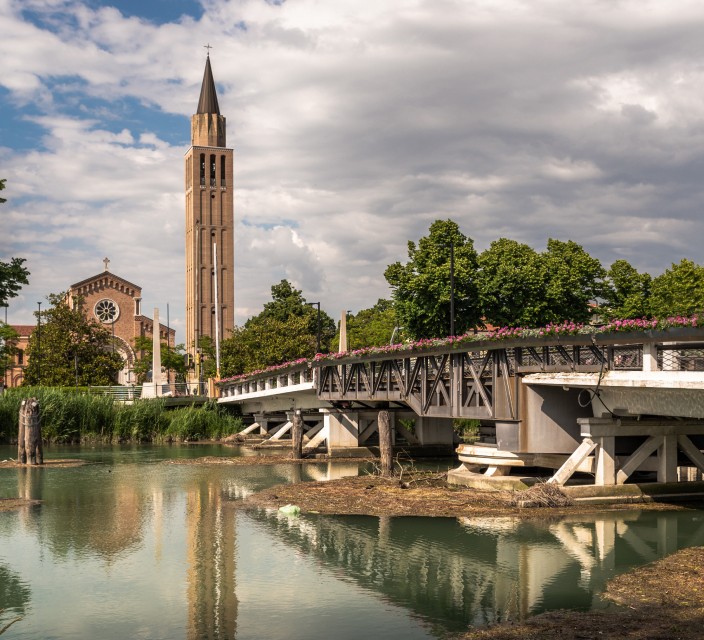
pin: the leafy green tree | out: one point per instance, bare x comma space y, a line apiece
678, 291
512, 282
172, 358
574, 280
12, 274
67, 344
626, 292
371, 327
288, 302
285, 330
264, 343
421, 287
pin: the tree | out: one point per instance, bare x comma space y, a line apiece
626, 292
512, 283
172, 358
678, 291
421, 287
264, 343
69, 349
12, 274
288, 302
573, 281
371, 327
285, 330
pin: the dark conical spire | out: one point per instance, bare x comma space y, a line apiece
208, 102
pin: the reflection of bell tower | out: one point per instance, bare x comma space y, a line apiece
212, 601
209, 220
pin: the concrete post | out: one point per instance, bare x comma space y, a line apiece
434, 430
667, 459
605, 461
156, 355
342, 428
650, 357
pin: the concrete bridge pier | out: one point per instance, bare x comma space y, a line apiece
430, 430
341, 429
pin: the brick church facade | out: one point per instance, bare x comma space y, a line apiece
114, 303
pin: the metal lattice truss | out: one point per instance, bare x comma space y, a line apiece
471, 385
484, 383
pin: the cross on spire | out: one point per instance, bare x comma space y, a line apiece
106, 262
208, 47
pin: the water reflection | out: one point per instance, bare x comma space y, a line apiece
167, 543
14, 597
212, 602
484, 570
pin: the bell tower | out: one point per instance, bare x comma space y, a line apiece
209, 222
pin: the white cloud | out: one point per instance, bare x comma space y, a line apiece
354, 125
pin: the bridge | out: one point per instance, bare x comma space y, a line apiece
611, 404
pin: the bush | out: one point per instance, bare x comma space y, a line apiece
467, 429
70, 415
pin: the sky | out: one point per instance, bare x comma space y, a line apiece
354, 126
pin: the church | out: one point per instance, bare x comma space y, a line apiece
116, 304
209, 261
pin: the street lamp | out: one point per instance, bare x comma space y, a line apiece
39, 343
313, 304
452, 288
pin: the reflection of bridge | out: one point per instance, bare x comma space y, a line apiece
608, 404
478, 571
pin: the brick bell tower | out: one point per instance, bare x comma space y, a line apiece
209, 222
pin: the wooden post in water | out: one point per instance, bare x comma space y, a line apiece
29, 439
21, 451
297, 435
385, 446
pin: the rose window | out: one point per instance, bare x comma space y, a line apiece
106, 310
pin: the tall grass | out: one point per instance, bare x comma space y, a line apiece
71, 416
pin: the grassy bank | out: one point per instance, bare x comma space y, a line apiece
70, 416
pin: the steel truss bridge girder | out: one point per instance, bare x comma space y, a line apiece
479, 385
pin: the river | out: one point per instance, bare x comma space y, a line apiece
134, 547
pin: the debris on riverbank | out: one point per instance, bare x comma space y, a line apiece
419, 494
661, 601
412, 493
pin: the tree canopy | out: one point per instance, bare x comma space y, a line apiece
371, 327
509, 284
626, 292
285, 330
421, 287
678, 291
574, 280
513, 285
69, 349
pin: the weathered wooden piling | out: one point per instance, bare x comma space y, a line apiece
385, 444
29, 437
297, 435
